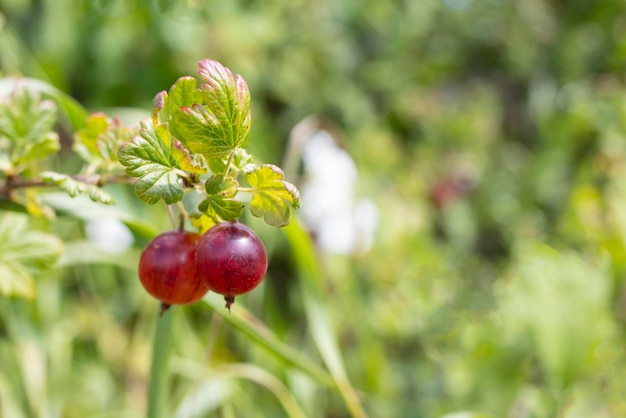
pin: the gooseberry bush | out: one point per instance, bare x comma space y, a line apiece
195, 142
188, 155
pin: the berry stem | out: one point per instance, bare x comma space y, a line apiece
181, 222
170, 211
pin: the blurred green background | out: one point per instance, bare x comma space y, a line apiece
490, 136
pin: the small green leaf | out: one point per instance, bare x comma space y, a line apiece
220, 186
26, 126
184, 93
73, 110
23, 254
149, 158
219, 204
100, 139
45, 145
220, 209
75, 187
272, 196
86, 139
218, 120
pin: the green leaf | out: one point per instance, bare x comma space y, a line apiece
86, 139
75, 187
272, 196
73, 110
100, 139
16, 281
26, 124
23, 254
219, 204
45, 145
149, 158
218, 124
191, 163
184, 93
220, 186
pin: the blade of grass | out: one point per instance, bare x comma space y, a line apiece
310, 274
254, 329
245, 371
158, 388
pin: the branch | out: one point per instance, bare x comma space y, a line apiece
13, 182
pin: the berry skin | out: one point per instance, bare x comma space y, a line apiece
167, 269
231, 260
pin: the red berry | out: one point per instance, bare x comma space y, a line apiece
167, 269
231, 260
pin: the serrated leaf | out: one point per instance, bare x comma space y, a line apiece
24, 253
272, 196
220, 186
75, 187
26, 124
220, 122
149, 158
219, 204
221, 209
183, 93
46, 145
199, 130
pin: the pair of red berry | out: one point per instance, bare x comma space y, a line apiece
179, 267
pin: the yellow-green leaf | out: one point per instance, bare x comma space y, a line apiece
272, 195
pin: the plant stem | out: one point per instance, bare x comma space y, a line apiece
158, 388
229, 163
16, 182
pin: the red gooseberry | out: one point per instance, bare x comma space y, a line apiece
167, 269
231, 260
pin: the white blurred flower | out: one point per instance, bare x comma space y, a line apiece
109, 235
341, 224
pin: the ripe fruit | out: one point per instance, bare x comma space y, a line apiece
448, 190
167, 269
231, 260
